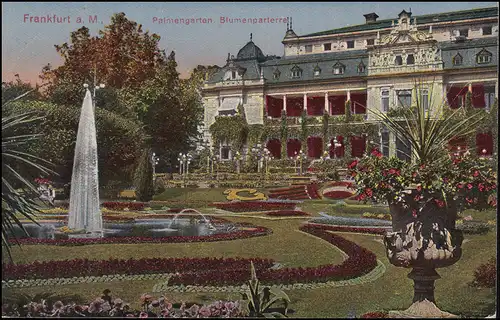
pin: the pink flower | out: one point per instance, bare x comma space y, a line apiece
476, 173
205, 311
481, 187
419, 188
469, 186
460, 186
414, 213
369, 192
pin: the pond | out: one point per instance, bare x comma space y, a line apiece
155, 228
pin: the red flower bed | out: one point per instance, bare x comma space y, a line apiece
360, 262
286, 213
238, 234
245, 206
375, 315
85, 267
312, 191
341, 184
170, 216
351, 229
118, 205
338, 194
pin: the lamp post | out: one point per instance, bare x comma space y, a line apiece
154, 161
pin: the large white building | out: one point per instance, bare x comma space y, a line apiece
373, 65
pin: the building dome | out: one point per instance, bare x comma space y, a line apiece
250, 51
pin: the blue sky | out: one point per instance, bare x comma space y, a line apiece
27, 47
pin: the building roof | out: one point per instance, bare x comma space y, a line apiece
469, 49
250, 51
423, 19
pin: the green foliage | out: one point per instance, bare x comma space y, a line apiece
348, 114
260, 300
143, 178
232, 129
284, 134
19, 169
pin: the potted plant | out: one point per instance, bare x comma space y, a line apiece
426, 194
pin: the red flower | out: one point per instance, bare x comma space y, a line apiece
481, 187
468, 200
469, 186
353, 164
414, 174
419, 188
376, 153
369, 192
414, 213
353, 174
460, 186
439, 203
417, 197
362, 196
476, 173
392, 171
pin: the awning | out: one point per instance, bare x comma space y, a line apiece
229, 104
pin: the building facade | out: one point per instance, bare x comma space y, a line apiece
373, 65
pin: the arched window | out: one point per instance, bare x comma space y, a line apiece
361, 67
410, 59
457, 60
338, 68
317, 71
296, 72
398, 61
484, 56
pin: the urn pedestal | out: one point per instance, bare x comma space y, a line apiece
424, 241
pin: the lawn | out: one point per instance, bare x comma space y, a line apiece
292, 248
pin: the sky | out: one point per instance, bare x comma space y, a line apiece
27, 46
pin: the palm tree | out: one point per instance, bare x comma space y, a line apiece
18, 193
428, 126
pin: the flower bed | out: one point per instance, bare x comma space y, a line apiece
341, 184
312, 191
239, 206
151, 308
353, 222
360, 262
376, 314
177, 210
372, 230
381, 216
85, 267
337, 194
254, 231
119, 205
287, 213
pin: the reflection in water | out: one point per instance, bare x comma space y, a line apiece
154, 228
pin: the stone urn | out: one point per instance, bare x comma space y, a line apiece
423, 243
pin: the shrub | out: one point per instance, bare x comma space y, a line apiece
486, 274
122, 205
286, 213
473, 227
376, 314
143, 178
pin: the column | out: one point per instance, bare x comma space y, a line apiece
348, 94
327, 111
284, 103
305, 101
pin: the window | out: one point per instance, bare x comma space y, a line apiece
317, 71
385, 100
404, 99
410, 59
489, 97
487, 31
327, 46
296, 72
484, 56
361, 67
350, 44
403, 149
370, 42
224, 153
463, 32
233, 75
338, 68
276, 74
309, 48
398, 61
457, 60
424, 99
385, 143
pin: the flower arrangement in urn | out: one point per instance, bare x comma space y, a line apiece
425, 194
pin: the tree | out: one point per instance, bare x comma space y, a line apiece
19, 169
143, 179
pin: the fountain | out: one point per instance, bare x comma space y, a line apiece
210, 225
84, 210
